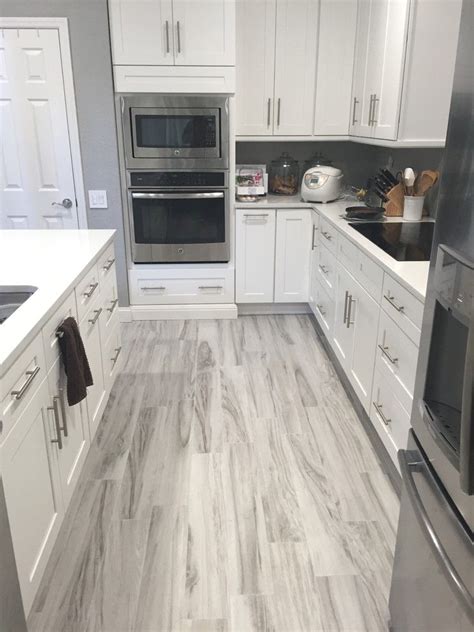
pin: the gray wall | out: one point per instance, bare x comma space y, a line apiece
92, 68
357, 161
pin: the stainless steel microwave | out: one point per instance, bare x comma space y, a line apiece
175, 131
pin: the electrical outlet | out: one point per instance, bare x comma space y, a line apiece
98, 199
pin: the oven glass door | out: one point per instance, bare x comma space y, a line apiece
176, 132
179, 219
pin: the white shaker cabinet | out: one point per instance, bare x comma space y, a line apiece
33, 489
142, 32
255, 67
90, 332
292, 255
173, 32
255, 255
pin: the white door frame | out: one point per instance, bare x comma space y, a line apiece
61, 25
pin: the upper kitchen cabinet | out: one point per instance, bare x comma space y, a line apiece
396, 96
276, 67
173, 45
336, 41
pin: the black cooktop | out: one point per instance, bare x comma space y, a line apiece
404, 241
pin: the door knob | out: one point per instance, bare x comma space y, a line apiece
66, 203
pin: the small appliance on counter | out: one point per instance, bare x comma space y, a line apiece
251, 182
284, 175
322, 184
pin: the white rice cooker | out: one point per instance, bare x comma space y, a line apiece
321, 184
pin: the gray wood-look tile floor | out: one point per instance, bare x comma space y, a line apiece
230, 487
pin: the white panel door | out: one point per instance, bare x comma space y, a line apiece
362, 83
255, 67
336, 41
295, 73
36, 172
363, 314
141, 32
204, 32
32, 490
255, 255
293, 256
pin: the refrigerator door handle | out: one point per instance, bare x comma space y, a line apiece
430, 534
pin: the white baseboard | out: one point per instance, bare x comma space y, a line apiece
178, 312
247, 309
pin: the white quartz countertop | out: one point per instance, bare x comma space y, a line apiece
52, 261
412, 274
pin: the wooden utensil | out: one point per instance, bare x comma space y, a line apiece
425, 181
394, 206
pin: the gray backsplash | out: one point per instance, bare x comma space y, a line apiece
357, 161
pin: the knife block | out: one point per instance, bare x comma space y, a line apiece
394, 206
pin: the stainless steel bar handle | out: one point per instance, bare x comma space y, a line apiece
279, 111
390, 299
178, 196
167, 33
57, 423
355, 103
448, 568
178, 31
210, 287
374, 110
95, 318
378, 408
327, 235
24, 387
370, 110
323, 268
269, 102
113, 305
117, 353
108, 264
321, 310
256, 215
63, 411
153, 287
91, 290
349, 322
313, 245
384, 350
346, 297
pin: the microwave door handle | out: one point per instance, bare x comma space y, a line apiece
178, 196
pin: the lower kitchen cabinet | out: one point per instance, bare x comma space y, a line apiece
273, 255
343, 334
32, 487
323, 309
292, 256
90, 332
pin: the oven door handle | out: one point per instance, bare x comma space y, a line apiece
178, 196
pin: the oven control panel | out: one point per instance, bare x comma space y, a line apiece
172, 179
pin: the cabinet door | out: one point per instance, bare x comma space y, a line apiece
204, 32
362, 83
343, 332
32, 491
314, 261
141, 32
292, 256
295, 69
90, 332
324, 310
255, 67
363, 316
336, 40
389, 25
74, 433
255, 255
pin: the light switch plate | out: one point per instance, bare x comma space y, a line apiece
98, 199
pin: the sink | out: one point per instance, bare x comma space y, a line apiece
11, 297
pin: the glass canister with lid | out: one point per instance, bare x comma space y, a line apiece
284, 175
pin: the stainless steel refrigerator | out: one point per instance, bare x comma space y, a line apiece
433, 576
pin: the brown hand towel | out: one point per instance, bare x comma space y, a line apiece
76, 365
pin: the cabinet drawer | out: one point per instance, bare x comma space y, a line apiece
20, 384
403, 307
163, 290
390, 418
328, 234
397, 357
370, 276
327, 270
50, 340
87, 291
109, 303
324, 309
112, 359
347, 253
106, 264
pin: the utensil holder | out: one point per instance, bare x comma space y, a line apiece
394, 206
413, 207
